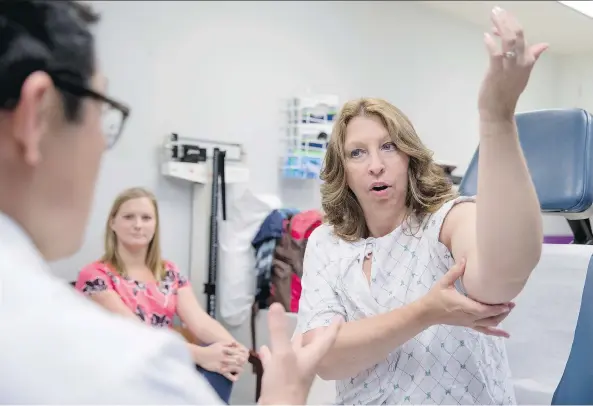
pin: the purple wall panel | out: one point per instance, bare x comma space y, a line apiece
558, 239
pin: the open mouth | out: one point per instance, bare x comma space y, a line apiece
379, 187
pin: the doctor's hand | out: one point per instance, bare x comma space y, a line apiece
511, 63
445, 305
289, 368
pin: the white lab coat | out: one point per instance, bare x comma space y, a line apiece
58, 347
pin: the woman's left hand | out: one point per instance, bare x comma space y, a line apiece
510, 67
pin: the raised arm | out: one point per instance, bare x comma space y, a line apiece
501, 235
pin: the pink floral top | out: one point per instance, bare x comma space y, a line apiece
155, 303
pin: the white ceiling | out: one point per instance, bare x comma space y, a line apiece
566, 30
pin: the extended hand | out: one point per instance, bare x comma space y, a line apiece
510, 67
289, 368
448, 306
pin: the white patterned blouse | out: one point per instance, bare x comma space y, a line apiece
443, 364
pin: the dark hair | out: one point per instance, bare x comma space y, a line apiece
49, 36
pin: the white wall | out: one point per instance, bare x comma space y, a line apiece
221, 70
575, 81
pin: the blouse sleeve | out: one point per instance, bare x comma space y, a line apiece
440, 254
319, 301
173, 273
93, 279
182, 281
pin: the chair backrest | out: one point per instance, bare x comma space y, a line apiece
558, 147
576, 384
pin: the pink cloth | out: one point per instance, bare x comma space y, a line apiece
295, 293
155, 303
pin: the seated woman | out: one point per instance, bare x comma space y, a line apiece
394, 228
133, 280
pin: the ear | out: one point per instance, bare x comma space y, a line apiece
32, 115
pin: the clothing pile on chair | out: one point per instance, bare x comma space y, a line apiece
279, 251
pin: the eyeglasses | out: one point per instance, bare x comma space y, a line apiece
115, 113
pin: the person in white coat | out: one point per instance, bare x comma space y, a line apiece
53, 106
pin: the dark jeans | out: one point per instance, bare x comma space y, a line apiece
222, 386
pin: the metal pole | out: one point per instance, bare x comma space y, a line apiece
210, 286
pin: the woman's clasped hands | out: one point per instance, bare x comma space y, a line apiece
225, 358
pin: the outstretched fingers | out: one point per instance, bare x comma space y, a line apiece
509, 30
265, 355
278, 329
538, 49
511, 33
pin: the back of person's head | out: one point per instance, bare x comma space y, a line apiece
52, 105
112, 246
46, 36
427, 189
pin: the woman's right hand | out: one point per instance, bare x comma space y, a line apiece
447, 306
221, 358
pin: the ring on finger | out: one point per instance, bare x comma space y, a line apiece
510, 54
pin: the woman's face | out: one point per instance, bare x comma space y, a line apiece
376, 171
135, 222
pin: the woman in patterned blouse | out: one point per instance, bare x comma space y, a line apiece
133, 280
395, 227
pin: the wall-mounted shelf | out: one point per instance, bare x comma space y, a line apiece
310, 122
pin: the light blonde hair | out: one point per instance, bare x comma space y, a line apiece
153, 257
428, 186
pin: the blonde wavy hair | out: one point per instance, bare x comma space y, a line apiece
153, 257
428, 186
